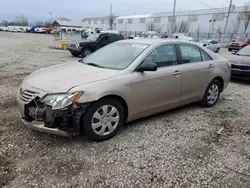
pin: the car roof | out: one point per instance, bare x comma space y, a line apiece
154, 41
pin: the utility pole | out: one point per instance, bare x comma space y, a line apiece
111, 18
228, 13
50, 15
174, 21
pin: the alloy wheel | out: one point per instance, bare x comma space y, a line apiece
213, 94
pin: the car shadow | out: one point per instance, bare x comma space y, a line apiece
239, 81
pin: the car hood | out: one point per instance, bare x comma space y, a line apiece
62, 78
236, 59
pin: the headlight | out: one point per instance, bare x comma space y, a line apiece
61, 100
77, 45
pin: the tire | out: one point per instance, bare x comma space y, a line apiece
217, 50
75, 54
229, 49
86, 52
206, 102
94, 115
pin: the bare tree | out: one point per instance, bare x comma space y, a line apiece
5, 23
20, 21
245, 16
219, 30
38, 23
236, 26
182, 27
151, 26
111, 21
47, 23
198, 29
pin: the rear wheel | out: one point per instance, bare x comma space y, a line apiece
212, 94
86, 52
103, 119
229, 49
217, 50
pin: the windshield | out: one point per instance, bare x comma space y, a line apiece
93, 37
116, 55
240, 40
245, 51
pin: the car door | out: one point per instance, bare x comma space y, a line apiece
154, 91
196, 71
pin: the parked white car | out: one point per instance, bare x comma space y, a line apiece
212, 45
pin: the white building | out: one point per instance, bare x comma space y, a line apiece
204, 21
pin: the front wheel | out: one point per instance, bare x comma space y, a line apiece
229, 49
212, 94
86, 52
75, 54
217, 50
103, 119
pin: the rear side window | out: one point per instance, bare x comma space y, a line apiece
214, 42
190, 53
204, 56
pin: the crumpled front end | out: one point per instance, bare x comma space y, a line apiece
39, 116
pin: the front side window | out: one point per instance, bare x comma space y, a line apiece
116, 55
93, 37
190, 53
205, 57
162, 56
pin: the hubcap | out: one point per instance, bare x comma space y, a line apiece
86, 52
213, 94
105, 120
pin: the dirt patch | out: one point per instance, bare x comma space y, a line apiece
6, 170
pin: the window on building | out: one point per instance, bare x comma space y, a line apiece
102, 21
218, 16
89, 21
171, 19
157, 20
192, 18
130, 21
120, 21
142, 20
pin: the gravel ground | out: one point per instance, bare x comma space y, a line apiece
186, 147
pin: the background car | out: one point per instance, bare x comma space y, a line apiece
212, 45
238, 45
93, 43
240, 64
118, 83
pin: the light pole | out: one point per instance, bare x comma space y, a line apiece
50, 15
173, 21
125, 26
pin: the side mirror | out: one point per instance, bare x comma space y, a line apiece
147, 67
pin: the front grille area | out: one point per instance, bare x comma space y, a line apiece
240, 66
73, 45
27, 96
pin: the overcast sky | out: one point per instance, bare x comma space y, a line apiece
78, 9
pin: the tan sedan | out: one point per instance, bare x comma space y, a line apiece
121, 82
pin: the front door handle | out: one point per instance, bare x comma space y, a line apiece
210, 66
177, 73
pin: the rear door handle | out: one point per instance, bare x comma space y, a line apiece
210, 66
177, 73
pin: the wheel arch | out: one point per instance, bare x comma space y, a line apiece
121, 100
221, 81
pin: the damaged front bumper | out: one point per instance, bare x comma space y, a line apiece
63, 122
